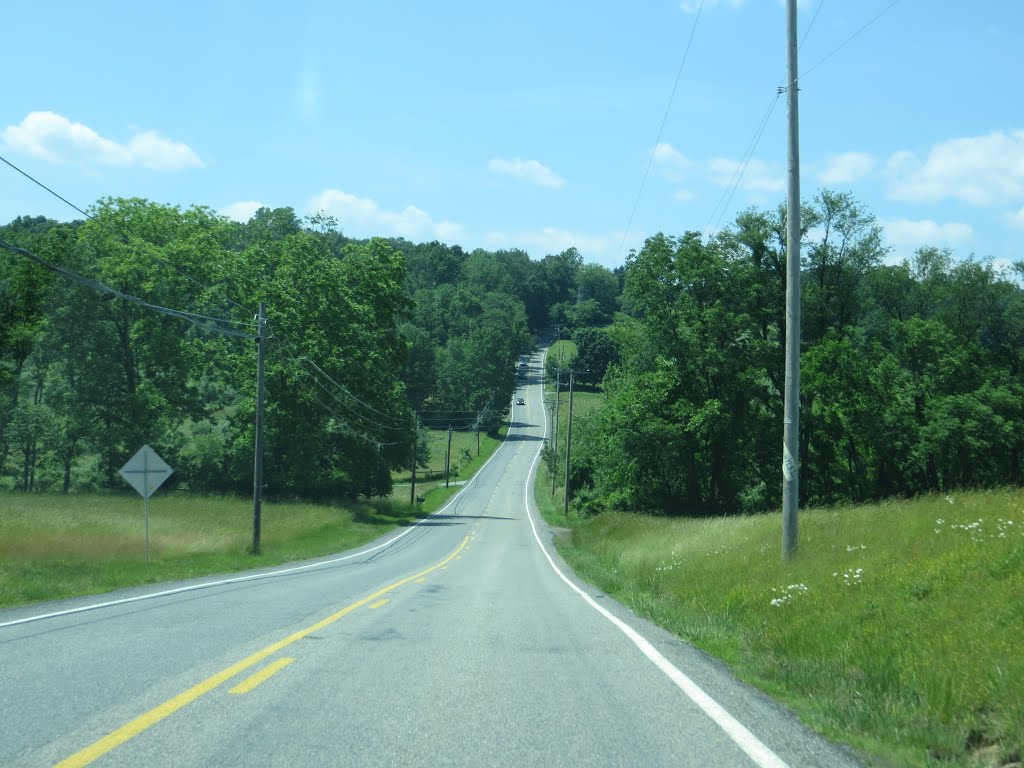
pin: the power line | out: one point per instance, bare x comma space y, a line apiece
301, 359
363, 421
737, 177
741, 167
849, 39
124, 237
814, 18
661, 130
204, 321
350, 432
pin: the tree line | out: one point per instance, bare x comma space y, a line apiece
911, 376
363, 336
911, 372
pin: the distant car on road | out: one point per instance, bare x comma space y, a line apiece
520, 401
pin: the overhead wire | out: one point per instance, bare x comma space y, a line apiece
350, 432
741, 167
124, 238
205, 321
661, 130
299, 354
209, 322
842, 45
737, 177
361, 420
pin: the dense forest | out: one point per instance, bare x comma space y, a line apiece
911, 372
368, 340
911, 376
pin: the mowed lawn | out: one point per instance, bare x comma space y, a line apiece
898, 628
54, 546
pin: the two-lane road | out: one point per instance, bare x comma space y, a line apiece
460, 642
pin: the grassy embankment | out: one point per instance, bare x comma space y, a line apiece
430, 481
898, 628
54, 546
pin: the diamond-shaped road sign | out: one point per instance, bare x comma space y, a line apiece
146, 471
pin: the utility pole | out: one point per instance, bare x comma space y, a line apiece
558, 400
448, 456
415, 439
568, 443
257, 475
554, 448
791, 418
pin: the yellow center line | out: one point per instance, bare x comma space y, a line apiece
379, 603
253, 680
132, 729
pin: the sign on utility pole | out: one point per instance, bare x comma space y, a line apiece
145, 472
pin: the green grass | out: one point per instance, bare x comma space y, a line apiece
54, 546
565, 348
463, 443
898, 627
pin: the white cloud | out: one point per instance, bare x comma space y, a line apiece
905, 235
847, 168
683, 195
55, 138
758, 176
671, 161
531, 170
979, 170
241, 211
1016, 220
363, 217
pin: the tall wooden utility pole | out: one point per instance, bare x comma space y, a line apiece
257, 475
791, 417
415, 439
568, 444
448, 456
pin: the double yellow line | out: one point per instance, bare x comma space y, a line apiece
142, 722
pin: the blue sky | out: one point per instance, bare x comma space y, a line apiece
521, 125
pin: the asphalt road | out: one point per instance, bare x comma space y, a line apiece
457, 643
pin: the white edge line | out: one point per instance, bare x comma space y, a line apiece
744, 739
263, 575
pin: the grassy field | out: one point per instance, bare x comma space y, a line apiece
464, 461
54, 546
564, 348
898, 628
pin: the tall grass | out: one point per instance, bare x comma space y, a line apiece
54, 546
898, 627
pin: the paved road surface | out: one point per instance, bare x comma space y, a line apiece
456, 644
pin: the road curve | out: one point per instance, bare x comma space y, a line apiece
457, 642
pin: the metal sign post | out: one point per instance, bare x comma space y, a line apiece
145, 472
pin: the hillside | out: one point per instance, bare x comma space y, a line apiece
896, 629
